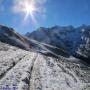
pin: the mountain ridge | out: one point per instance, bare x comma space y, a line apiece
55, 41
67, 37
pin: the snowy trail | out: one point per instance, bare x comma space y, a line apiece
9, 60
20, 73
25, 70
50, 75
16, 66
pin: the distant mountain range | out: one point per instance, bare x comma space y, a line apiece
76, 41
56, 41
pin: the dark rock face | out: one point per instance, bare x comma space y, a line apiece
84, 48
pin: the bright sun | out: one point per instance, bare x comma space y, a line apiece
29, 9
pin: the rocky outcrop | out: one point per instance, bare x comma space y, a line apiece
25, 70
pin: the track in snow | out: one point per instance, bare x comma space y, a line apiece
34, 71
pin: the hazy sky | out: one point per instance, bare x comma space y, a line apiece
43, 13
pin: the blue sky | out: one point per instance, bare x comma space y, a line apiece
51, 13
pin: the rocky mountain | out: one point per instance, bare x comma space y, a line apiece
67, 38
45, 60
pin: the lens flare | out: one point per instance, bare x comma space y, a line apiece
29, 8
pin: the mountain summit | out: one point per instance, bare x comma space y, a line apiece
76, 41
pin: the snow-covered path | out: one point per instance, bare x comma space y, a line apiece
23, 70
49, 74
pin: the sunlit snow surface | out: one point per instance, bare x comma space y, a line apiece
33, 71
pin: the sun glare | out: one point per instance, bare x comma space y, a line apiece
29, 9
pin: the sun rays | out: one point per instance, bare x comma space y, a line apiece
29, 8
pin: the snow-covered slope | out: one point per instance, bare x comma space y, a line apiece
39, 68
27, 70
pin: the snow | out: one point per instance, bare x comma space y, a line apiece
17, 73
51, 75
27, 70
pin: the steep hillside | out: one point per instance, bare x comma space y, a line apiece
10, 36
